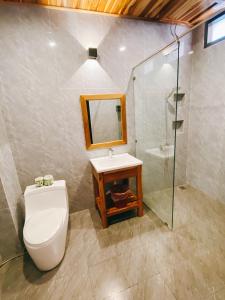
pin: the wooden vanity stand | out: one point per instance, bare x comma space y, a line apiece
102, 178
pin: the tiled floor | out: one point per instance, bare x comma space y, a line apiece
138, 259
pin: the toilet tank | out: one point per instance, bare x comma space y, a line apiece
41, 198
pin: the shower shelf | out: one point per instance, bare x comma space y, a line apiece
178, 124
178, 97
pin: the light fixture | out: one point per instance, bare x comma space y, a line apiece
92, 53
122, 48
52, 44
190, 52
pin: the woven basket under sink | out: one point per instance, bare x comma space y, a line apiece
120, 195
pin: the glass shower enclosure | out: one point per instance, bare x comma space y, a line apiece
156, 93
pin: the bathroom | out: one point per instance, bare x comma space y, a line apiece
165, 78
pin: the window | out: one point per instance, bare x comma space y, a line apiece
215, 30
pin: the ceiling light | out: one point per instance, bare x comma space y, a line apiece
52, 44
122, 48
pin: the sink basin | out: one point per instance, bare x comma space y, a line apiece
120, 161
166, 152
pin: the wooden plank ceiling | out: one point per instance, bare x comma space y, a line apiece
189, 12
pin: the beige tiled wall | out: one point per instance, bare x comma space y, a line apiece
10, 245
44, 61
10, 193
11, 190
206, 147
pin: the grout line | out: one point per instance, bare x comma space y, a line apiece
11, 259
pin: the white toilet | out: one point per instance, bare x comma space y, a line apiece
46, 223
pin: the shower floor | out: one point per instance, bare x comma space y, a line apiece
139, 258
160, 203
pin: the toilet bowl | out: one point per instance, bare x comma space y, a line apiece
46, 223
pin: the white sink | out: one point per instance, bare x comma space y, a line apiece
166, 152
116, 162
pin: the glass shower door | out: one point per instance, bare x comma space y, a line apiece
155, 93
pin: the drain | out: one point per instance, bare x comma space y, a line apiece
182, 187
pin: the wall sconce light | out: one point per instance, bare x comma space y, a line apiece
92, 53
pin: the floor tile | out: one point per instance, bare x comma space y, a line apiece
107, 278
219, 295
139, 258
155, 288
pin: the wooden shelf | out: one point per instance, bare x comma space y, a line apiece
114, 210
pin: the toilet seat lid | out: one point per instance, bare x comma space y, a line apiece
42, 226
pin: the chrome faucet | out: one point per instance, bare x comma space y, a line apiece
111, 152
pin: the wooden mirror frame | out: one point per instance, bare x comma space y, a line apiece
85, 114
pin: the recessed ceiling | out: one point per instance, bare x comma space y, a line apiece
188, 12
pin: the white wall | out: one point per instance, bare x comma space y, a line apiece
8, 176
206, 146
10, 195
43, 71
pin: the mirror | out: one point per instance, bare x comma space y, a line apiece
104, 118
